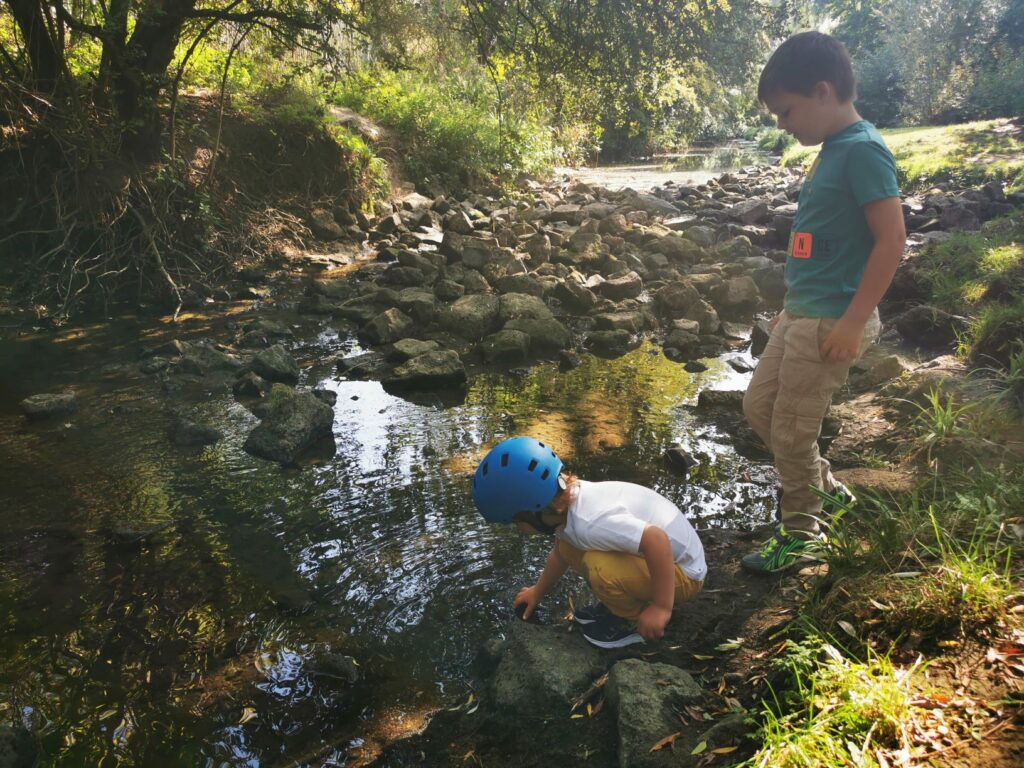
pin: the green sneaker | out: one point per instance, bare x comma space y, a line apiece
779, 553
840, 500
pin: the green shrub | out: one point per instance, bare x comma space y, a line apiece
447, 130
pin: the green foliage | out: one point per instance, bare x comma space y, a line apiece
846, 711
774, 140
958, 61
447, 128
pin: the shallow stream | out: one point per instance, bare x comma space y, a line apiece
162, 605
164, 601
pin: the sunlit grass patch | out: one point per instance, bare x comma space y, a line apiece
847, 711
970, 153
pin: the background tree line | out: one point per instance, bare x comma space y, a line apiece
475, 91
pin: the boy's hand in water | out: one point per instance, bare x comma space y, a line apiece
651, 623
528, 597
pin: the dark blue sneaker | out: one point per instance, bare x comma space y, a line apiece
588, 614
611, 632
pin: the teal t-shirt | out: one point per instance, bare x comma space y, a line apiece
830, 242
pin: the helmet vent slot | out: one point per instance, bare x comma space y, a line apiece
504, 459
544, 475
483, 469
532, 466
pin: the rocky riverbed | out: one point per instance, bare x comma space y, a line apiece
438, 290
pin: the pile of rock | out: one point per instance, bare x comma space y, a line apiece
505, 282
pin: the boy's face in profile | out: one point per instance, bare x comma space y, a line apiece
806, 118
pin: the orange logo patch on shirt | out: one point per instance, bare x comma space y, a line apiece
802, 242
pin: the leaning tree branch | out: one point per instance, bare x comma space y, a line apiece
77, 24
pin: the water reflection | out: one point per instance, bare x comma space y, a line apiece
162, 604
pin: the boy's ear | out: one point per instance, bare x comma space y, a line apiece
823, 89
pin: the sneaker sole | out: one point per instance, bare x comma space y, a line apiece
583, 622
622, 642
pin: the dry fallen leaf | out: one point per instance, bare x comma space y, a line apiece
699, 748
668, 741
847, 627
724, 750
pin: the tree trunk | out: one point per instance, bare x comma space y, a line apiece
45, 59
140, 72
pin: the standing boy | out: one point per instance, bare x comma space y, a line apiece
847, 240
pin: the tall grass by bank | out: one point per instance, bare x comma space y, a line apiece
910, 579
451, 132
980, 275
966, 154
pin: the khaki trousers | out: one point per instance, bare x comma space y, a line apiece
622, 581
788, 396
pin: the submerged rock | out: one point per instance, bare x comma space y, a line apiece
275, 364
294, 420
192, 433
442, 368
49, 406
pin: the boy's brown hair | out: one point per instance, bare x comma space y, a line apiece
805, 60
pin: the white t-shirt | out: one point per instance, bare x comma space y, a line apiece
611, 517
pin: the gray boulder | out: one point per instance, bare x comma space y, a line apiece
731, 399
520, 283
643, 698
627, 286
610, 343
704, 314
448, 290
294, 420
930, 326
701, 235
547, 335
506, 347
275, 364
676, 298
323, 225
749, 211
420, 304
49, 406
442, 368
471, 317
575, 297
681, 345
388, 327
677, 248
738, 293
627, 320
543, 669
512, 306
652, 205
406, 349
202, 358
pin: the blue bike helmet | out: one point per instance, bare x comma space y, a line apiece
518, 475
